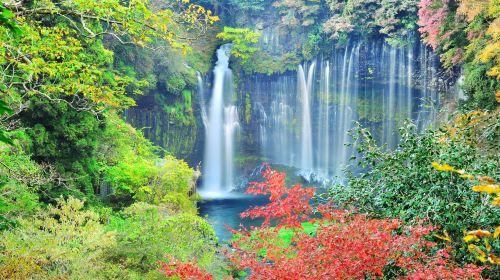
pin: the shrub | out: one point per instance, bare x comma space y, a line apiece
147, 233
403, 183
62, 242
344, 245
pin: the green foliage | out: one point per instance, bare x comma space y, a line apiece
146, 234
175, 84
4, 109
20, 179
68, 139
264, 63
298, 12
62, 242
403, 183
312, 47
394, 19
6, 18
480, 88
248, 108
134, 171
242, 39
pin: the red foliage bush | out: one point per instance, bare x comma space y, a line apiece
431, 16
185, 271
344, 245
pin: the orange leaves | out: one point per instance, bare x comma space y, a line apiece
472, 8
479, 233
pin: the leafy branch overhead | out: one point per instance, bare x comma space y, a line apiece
243, 40
136, 21
63, 56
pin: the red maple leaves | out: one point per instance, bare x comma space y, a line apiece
186, 271
287, 207
338, 245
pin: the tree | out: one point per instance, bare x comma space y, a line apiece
62, 56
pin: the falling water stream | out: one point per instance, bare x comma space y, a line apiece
220, 125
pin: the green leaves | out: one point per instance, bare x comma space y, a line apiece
4, 109
243, 40
6, 18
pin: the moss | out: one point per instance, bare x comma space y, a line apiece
175, 84
263, 63
248, 108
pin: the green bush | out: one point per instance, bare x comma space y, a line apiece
62, 242
403, 183
147, 234
175, 84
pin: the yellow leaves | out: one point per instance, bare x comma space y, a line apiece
442, 167
491, 51
469, 238
496, 234
479, 233
494, 259
444, 237
494, 8
494, 29
467, 176
472, 8
496, 201
489, 189
475, 250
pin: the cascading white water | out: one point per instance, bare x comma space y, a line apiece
230, 125
302, 120
222, 120
201, 93
305, 87
323, 122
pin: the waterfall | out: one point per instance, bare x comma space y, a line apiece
301, 119
201, 93
323, 127
305, 87
222, 120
